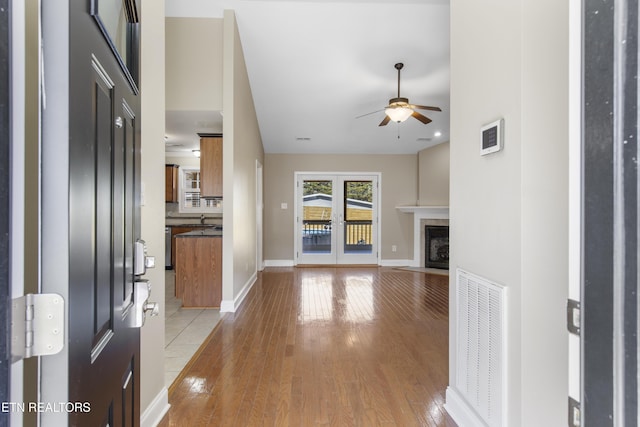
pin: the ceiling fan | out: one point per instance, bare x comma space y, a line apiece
399, 108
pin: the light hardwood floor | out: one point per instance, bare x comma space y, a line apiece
323, 346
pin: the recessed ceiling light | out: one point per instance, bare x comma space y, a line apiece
437, 133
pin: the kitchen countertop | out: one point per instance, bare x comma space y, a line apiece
207, 232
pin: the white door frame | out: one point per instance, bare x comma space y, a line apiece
334, 176
259, 216
575, 186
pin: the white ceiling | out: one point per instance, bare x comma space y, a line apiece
314, 66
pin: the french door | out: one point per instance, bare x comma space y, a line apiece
336, 219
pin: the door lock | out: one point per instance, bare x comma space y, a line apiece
141, 304
141, 261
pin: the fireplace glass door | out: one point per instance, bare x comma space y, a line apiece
336, 221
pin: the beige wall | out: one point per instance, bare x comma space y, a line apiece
193, 64
242, 148
509, 209
433, 175
152, 212
398, 186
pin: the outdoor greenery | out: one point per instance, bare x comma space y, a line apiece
358, 190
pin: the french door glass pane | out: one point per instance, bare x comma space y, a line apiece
358, 217
317, 214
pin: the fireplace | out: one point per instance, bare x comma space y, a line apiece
436, 249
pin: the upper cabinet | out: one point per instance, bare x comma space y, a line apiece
211, 167
171, 183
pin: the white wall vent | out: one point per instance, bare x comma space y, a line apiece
481, 332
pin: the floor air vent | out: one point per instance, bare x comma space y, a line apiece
480, 314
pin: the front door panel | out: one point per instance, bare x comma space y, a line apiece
104, 217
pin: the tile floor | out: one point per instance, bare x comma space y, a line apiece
185, 330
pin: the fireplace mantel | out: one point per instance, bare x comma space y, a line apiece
420, 213
435, 212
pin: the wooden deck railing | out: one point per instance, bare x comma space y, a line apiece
356, 232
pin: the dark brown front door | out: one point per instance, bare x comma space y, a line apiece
104, 223
102, 192
610, 255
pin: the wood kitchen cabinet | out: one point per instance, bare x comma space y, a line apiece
178, 230
171, 183
199, 270
211, 167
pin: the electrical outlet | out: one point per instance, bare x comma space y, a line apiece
394, 248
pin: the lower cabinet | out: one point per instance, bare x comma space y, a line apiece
199, 271
177, 230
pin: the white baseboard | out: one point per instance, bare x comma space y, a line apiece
227, 306
152, 416
460, 411
395, 262
278, 263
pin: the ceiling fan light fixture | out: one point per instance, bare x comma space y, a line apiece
398, 114
399, 108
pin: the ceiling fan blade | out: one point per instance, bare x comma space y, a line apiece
368, 114
386, 120
423, 119
425, 107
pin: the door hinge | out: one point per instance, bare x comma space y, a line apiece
574, 413
37, 325
573, 316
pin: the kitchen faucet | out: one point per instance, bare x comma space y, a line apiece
202, 219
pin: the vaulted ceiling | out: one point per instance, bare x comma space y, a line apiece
315, 66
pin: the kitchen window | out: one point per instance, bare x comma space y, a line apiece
190, 200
